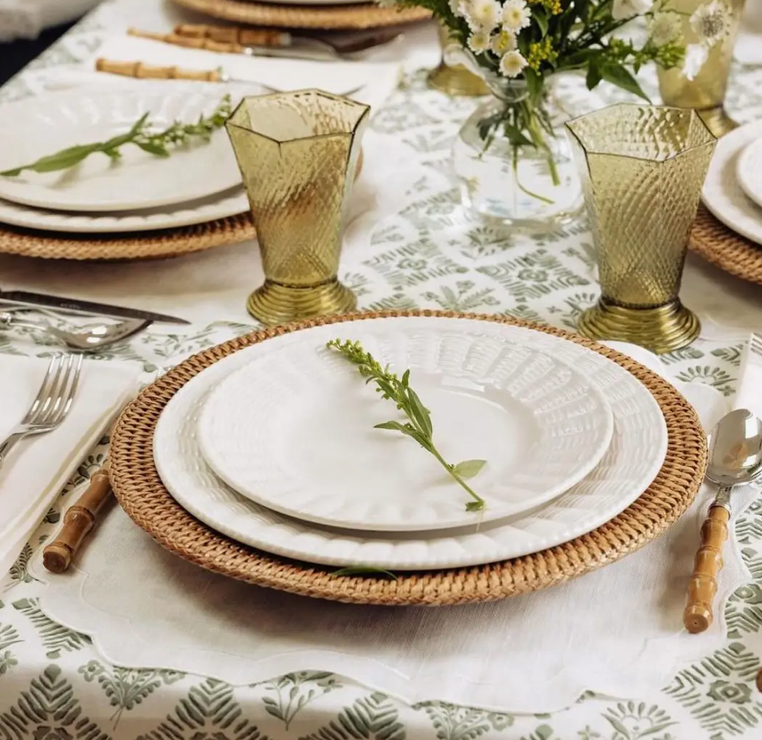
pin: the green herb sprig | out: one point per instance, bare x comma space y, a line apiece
141, 135
419, 426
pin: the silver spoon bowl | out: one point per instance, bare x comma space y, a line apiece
87, 338
735, 451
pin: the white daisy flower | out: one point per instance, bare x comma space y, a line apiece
455, 7
711, 22
512, 64
516, 15
623, 9
664, 28
481, 15
695, 57
503, 42
479, 42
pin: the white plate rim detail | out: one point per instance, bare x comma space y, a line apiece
73, 107
752, 186
192, 484
722, 193
542, 381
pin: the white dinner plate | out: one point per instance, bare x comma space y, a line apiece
630, 464
295, 432
722, 193
229, 203
47, 124
749, 171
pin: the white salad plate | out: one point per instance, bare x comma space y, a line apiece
47, 124
295, 432
722, 193
633, 459
749, 171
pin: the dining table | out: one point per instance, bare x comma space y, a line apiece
408, 245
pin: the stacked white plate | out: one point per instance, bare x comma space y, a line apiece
733, 186
140, 191
275, 446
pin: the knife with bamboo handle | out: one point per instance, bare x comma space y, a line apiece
266, 42
143, 71
231, 43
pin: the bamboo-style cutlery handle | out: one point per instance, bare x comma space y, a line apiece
146, 71
235, 35
703, 584
189, 42
214, 38
78, 521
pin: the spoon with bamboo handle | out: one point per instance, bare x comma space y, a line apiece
78, 521
735, 458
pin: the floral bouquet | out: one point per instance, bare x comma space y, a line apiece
517, 45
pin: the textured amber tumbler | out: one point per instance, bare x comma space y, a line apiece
642, 170
298, 154
706, 91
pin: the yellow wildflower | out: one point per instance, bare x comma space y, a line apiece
541, 52
553, 6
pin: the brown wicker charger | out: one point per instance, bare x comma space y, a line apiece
726, 249
126, 246
139, 490
337, 17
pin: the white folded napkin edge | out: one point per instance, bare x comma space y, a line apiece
749, 390
15, 533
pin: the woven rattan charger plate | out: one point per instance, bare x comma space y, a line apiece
139, 490
139, 245
367, 15
726, 249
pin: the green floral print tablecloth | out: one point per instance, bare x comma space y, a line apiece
54, 685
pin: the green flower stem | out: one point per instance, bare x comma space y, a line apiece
418, 426
157, 143
478, 502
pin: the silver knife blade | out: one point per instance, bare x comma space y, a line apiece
74, 305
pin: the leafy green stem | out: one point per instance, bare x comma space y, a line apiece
419, 426
140, 135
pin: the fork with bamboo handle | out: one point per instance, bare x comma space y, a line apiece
143, 71
735, 458
78, 521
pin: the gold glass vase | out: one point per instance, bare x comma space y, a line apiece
298, 153
454, 79
706, 91
642, 170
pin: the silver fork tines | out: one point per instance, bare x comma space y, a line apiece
52, 404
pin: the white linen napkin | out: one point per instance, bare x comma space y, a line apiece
617, 630
36, 469
25, 19
367, 82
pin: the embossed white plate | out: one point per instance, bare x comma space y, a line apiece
629, 465
42, 126
749, 171
295, 432
722, 193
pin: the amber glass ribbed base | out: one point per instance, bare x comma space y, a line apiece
274, 304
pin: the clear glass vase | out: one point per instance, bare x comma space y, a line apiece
524, 186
